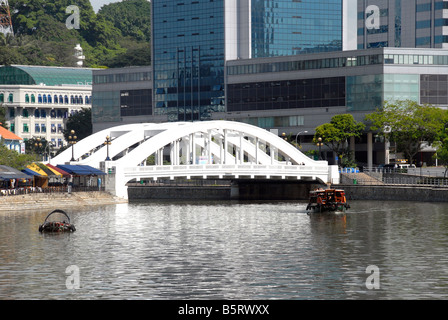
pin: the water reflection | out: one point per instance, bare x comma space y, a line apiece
228, 250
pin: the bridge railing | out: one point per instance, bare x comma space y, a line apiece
227, 170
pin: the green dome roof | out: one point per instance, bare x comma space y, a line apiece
50, 76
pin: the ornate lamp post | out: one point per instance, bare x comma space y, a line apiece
72, 140
38, 146
107, 143
320, 144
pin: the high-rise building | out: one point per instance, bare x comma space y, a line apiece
192, 40
402, 23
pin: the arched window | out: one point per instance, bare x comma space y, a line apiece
43, 113
55, 98
72, 100
53, 113
33, 99
39, 98
27, 98
49, 98
25, 113
60, 114
61, 100
66, 99
2, 97
44, 99
87, 100
11, 98
36, 113
80, 100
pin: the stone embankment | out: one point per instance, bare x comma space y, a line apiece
57, 200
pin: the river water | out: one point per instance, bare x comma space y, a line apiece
228, 250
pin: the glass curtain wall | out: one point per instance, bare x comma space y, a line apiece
188, 58
285, 27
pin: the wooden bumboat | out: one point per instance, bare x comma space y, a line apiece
330, 200
57, 226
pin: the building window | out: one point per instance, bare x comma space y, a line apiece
39, 98
49, 99
36, 113
44, 99
55, 98
25, 128
43, 128
12, 113
11, 98
37, 128
12, 127
43, 113
53, 128
33, 99
27, 98
25, 113
2, 97
66, 99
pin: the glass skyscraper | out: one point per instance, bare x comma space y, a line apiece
191, 41
285, 27
402, 23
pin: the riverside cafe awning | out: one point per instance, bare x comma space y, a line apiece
7, 174
84, 174
43, 175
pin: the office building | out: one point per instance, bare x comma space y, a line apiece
192, 40
402, 23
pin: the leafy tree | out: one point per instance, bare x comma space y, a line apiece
13, 159
81, 123
407, 124
336, 134
3, 117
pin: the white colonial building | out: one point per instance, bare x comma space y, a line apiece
39, 100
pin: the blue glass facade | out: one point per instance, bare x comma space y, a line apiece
285, 27
188, 58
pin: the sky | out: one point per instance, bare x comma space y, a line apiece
97, 4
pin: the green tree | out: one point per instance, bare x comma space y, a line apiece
336, 134
13, 159
3, 116
408, 125
81, 123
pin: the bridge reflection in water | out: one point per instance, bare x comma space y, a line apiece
207, 150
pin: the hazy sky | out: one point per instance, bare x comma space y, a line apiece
97, 4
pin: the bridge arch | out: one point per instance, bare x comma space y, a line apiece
217, 148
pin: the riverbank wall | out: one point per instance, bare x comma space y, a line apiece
57, 200
395, 193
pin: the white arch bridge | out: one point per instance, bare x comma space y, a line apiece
208, 149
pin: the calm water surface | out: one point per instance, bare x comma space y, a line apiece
230, 250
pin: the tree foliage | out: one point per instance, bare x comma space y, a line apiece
336, 134
408, 125
13, 159
81, 123
42, 38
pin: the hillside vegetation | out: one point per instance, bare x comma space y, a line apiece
118, 35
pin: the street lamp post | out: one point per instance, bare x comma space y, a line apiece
320, 144
107, 143
38, 146
298, 136
72, 140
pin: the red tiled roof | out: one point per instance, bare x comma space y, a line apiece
8, 135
